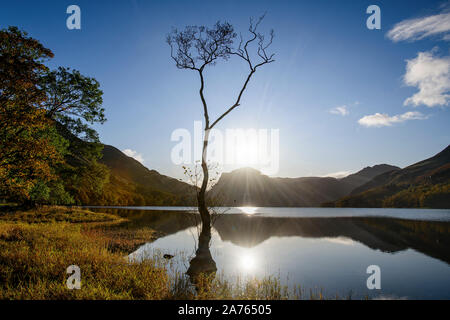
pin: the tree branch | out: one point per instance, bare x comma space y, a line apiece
238, 99
243, 53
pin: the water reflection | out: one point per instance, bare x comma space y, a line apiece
248, 210
332, 253
247, 261
202, 263
431, 238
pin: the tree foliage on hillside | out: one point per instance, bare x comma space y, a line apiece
426, 195
48, 152
29, 146
74, 102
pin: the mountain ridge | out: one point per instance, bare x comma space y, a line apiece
423, 184
249, 187
373, 186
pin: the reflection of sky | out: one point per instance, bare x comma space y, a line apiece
336, 265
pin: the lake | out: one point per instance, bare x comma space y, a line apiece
323, 249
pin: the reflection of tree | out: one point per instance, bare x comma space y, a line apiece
202, 265
386, 234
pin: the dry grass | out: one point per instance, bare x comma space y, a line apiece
47, 214
34, 256
34, 259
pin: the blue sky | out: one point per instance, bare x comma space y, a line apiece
326, 58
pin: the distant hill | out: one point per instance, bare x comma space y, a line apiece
248, 187
131, 183
423, 184
367, 174
127, 183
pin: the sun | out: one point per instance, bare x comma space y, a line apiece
246, 153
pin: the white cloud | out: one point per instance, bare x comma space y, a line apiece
341, 110
420, 28
382, 120
431, 75
134, 154
338, 175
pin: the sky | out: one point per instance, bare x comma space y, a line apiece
341, 96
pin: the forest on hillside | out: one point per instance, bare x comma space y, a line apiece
49, 152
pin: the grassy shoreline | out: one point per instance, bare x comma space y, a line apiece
37, 246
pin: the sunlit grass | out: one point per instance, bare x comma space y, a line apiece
57, 214
34, 258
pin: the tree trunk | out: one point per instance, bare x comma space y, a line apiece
201, 198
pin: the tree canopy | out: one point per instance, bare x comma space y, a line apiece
48, 152
74, 100
28, 148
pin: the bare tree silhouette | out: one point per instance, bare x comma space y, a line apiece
197, 47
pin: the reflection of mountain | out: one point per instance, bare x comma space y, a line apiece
385, 234
248, 187
388, 235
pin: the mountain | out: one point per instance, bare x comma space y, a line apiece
249, 187
131, 183
116, 179
423, 184
367, 174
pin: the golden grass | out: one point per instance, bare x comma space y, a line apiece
47, 214
34, 259
34, 256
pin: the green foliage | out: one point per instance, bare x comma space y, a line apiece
86, 182
73, 98
27, 155
48, 152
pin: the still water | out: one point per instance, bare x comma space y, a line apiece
323, 249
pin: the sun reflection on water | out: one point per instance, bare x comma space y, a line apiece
247, 262
248, 210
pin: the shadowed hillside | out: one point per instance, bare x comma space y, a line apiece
133, 184
423, 184
248, 187
367, 174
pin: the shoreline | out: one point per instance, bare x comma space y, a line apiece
37, 246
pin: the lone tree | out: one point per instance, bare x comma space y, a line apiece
197, 47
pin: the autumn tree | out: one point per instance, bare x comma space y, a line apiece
74, 103
28, 145
198, 47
